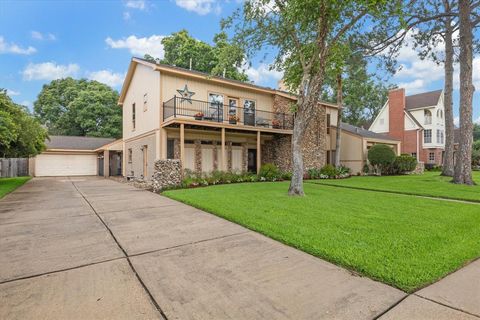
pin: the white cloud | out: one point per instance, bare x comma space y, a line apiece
14, 48
39, 36
27, 103
477, 120
13, 92
136, 4
414, 86
126, 16
456, 121
49, 71
201, 7
262, 74
139, 46
106, 76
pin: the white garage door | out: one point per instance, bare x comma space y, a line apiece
47, 165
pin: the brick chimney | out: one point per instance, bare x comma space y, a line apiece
396, 106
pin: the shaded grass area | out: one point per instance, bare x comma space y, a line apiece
430, 184
7, 185
403, 241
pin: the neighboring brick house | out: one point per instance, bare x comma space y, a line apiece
211, 123
417, 121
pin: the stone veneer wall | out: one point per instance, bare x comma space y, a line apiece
198, 156
278, 150
168, 174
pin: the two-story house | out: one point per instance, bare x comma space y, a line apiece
417, 121
211, 123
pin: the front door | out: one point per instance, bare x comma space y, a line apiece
252, 160
145, 163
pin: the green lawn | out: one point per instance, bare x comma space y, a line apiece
428, 184
7, 185
404, 241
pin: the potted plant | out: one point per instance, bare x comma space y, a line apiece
199, 116
232, 119
276, 124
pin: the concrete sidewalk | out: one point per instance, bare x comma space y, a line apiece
91, 248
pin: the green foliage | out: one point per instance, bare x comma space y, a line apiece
476, 153
21, 135
476, 131
328, 170
270, 172
403, 164
382, 156
180, 47
7, 185
79, 108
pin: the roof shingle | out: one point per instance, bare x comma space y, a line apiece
365, 133
421, 100
76, 143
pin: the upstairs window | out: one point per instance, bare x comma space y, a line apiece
133, 116
427, 136
440, 136
328, 123
428, 116
145, 100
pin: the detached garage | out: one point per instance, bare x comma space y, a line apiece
70, 156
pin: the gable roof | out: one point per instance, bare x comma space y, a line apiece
410, 115
76, 143
203, 76
364, 132
422, 100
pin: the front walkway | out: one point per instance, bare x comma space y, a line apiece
92, 248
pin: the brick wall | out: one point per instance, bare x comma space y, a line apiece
396, 106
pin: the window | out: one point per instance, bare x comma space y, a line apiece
439, 114
427, 136
431, 156
328, 123
130, 155
145, 100
414, 154
170, 149
232, 107
133, 116
216, 105
440, 136
328, 157
249, 112
428, 117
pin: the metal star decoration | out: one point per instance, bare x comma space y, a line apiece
185, 94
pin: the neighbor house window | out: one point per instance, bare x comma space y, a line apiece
440, 136
133, 116
428, 116
328, 123
145, 100
130, 155
414, 154
431, 156
170, 149
427, 136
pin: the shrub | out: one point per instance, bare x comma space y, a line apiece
313, 173
343, 171
270, 172
328, 170
381, 156
366, 168
404, 163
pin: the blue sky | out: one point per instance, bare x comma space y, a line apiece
44, 40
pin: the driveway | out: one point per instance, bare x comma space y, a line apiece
93, 248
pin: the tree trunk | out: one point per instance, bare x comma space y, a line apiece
448, 163
296, 184
463, 167
339, 120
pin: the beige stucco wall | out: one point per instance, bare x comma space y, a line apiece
144, 81
172, 83
137, 156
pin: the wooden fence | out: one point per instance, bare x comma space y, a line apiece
13, 167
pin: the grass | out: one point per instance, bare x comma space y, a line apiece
403, 241
7, 185
429, 184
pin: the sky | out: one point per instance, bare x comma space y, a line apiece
45, 40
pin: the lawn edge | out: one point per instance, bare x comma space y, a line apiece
473, 201
23, 181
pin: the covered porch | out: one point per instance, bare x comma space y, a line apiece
110, 159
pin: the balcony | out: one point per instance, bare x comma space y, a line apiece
215, 112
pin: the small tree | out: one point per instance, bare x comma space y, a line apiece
381, 157
404, 163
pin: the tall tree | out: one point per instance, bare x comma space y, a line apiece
304, 33
79, 108
463, 167
21, 135
223, 58
338, 137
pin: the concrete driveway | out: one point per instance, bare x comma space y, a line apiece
92, 248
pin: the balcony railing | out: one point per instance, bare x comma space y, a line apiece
178, 107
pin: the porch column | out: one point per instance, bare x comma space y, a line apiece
182, 145
106, 163
259, 153
157, 145
163, 143
224, 158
